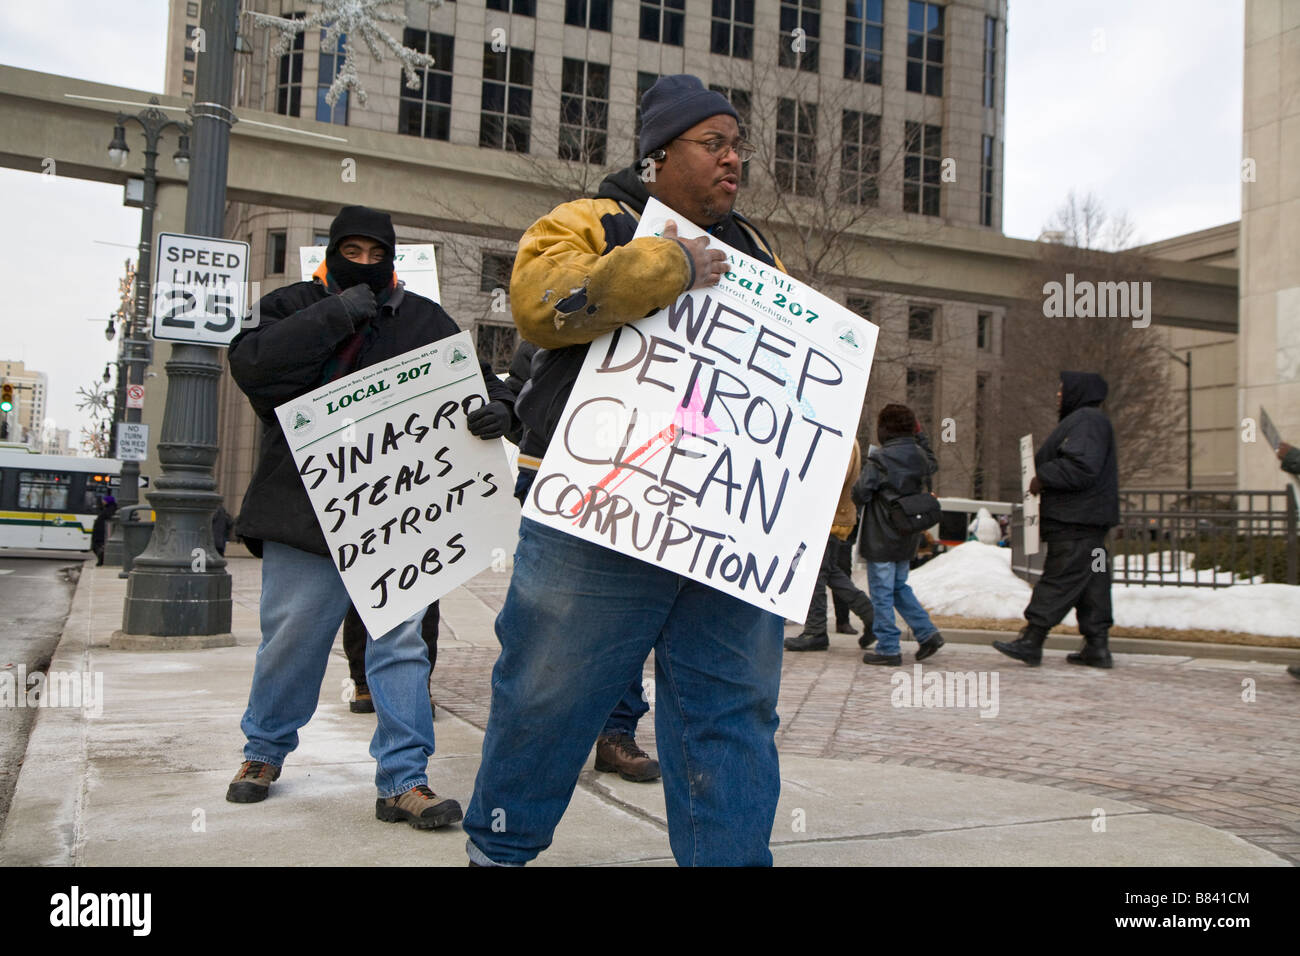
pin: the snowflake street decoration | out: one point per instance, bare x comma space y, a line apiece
351, 19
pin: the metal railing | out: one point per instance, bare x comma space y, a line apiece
1204, 539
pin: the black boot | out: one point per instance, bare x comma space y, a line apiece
1028, 647
808, 642
862, 607
1094, 653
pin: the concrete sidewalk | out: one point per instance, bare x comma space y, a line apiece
863, 782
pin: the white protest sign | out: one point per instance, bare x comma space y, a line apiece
712, 437
415, 264
1031, 501
132, 441
200, 288
411, 504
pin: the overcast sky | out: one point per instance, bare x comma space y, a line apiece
1138, 101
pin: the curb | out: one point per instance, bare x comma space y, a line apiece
1143, 645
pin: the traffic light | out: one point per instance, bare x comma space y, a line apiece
6, 398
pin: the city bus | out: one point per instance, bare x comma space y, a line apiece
50, 501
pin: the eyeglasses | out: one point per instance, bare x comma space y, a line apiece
717, 147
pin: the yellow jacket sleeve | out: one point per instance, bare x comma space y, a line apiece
566, 290
846, 514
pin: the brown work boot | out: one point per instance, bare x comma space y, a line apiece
420, 807
619, 752
253, 782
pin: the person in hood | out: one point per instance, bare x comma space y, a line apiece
1077, 474
1289, 456
353, 314
901, 466
579, 620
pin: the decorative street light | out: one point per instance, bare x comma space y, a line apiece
135, 344
179, 592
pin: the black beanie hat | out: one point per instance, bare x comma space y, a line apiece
363, 221
895, 421
675, 104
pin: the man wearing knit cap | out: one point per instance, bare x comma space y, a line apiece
353, 314
579, 619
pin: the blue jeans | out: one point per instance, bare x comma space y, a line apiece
577, 625
887, 581
631, 707
303, 604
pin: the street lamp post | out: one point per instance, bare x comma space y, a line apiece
135, 353
179, 592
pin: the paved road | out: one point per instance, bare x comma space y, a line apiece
1212, 741
35, 597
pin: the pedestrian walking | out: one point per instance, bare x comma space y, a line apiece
99, 530
844, 561
616, 748
832, 574
896, 509
1077, 474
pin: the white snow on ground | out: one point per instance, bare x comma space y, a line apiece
975, 580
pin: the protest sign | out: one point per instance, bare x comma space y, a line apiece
1031, 501
411, 504
415, 264
712, 438
1270, 431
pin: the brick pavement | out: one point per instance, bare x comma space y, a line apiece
1170, 734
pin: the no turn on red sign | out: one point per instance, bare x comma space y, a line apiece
200, 289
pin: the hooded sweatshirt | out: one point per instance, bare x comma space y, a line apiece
1078, 465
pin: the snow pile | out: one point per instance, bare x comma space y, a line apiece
975, 580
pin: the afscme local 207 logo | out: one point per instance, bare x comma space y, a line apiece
301, 416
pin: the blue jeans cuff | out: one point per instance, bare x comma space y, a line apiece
482, 859
273, 761
413, 782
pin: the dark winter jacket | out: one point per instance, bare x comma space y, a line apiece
1291, 461
579, 274
302, 327
901, 466
1078, 466
521, 365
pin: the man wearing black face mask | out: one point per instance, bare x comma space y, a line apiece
353, 314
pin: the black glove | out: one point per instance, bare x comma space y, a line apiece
490, 421
360, 304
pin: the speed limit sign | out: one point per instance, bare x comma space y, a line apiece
199, 289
